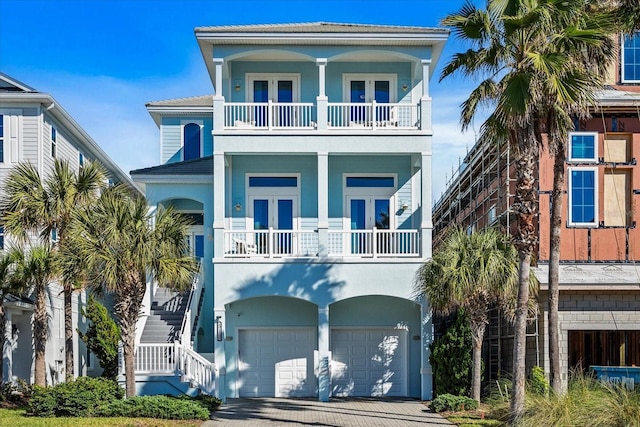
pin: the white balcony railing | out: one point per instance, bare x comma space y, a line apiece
268, 115
340, 115
372, 116
344, 243
374, 243
271, 243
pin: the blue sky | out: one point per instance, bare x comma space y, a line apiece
102, 60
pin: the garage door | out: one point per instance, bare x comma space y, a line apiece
276, 362
369, 362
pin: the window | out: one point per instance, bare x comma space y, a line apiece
583, 146
1, 237
630, 60
273, 181
1, 139
80, 159
191, 141
54, 136
370, 181
583, 200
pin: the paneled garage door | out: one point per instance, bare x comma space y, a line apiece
276, 362
369, 362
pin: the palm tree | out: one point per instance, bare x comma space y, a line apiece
519, 49
628, 14
35, 268
122, 245
585, 63
473, 272
44, 207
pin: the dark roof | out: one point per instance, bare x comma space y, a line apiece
201, 166
318, 27
17, 298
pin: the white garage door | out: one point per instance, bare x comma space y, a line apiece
369, 362
276, 362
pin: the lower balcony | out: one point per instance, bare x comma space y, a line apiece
271, 243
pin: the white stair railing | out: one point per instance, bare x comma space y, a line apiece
190, 315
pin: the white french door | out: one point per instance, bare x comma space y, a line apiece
365, 89
281, 89
277, 213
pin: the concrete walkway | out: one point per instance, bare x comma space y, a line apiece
336, 413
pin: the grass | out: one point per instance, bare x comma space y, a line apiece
476, 418
17, 417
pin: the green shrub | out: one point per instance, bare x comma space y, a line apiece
451, 358
162, 407
538, 383
449, 402
102, 337
211, 403
18, 392
79, 398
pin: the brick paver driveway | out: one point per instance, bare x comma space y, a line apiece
336, 413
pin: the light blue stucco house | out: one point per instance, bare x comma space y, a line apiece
308, 178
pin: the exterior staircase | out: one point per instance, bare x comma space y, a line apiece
165, 361
165, 320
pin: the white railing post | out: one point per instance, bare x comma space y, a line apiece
374, 115
270, 114
270, 242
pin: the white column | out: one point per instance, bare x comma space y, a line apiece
218, 62
426, 373
426, 226
324, 355
322, 100
425, 100
218, 98
218, 204
323, 204
219, 354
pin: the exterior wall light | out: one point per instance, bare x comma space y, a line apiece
218, 328
238, 206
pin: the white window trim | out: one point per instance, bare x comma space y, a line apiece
622, 63
257, 192
347, 78
273, 88
596, 140
367, 192
184, 123
596, 218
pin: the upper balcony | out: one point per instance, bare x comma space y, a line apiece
300, 116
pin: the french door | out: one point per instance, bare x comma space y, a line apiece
278, 89
364, 89
277, 213
366, 213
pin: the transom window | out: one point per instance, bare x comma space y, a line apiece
583, 146
630, 60
273, 181
370, 181
583, 197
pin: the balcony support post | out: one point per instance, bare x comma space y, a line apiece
323, 204
426, 223
218, 98
324, 355
425, 100
322, 102
218, 204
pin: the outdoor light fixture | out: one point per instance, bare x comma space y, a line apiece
238, 206
404, 87
237, 87
404, 206
218, 328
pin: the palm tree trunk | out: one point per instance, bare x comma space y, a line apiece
554, 265
40, 336
128, 349
68, 333
526, 208
476, 375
